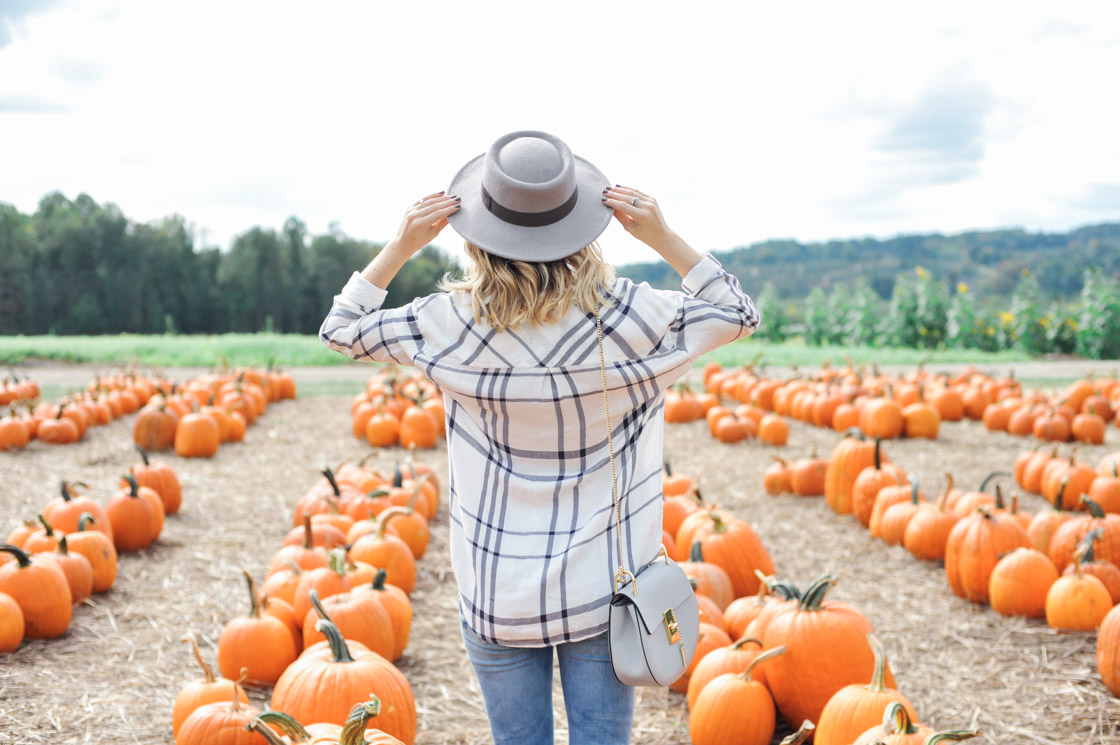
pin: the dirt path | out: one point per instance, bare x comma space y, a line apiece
114, 675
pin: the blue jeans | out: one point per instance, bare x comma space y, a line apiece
516, 685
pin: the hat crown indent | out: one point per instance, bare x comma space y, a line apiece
531, 160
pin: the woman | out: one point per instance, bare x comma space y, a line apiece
514, 346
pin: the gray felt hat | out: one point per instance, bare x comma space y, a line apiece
529, 198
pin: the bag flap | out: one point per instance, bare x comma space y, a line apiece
660, 587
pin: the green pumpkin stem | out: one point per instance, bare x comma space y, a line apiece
990, 476
133, 485
855, 432
353, 731
718, 525
337, 561
1094, 508
879, 675
896, 720
951, 735
379, 580
878, 453
914, 491
767, 655
21, 555
339, 651
286, 723
1089, 542
813, 596
62, 547
330, 478
143, 455
46, 525
84, 520
267, 733
696, 554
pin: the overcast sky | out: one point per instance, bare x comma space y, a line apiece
747, 121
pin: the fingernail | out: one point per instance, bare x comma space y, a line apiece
458, 206
604, 199
458, 199
441, 192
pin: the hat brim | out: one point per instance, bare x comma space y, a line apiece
476, 224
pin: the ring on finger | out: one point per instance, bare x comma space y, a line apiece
634, 202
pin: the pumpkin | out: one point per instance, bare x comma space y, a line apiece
735, 659
418, 428
197, 436
328, 677
388, 552
928, 530
1108, 650
327, 581
710, 639
827, 649
773, 430
855, 708
775, 479
78, 572
974, 546
882, 417
1063, 542
730, 543
920, 419
210, 689
307, 546
136, 514
359, 617
870, 480
889, 496
1077, 602
1105, 490
807, 476
160, 477
1088, 427
675, 484
42, 540
852, 455
409, 525
58, 430
260, 644
39, 586
11, 624
734, 709
98, 548
64, 511
899, 728
1043, 524
1019, 583
13, 433
220, 723
708, 578
396, 602
1107, 572
154, 428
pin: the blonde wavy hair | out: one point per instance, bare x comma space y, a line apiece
506, 293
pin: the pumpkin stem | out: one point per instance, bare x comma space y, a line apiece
416, 491
308, 538
254, 596
944, 498
337, 561
267, 733
767, 655
339, 651
62, 547
744, 641
999, 499
813, 596
1088, 542
879, 675
914, 491
878, 455
386, 516
286, 723
718, 525
855, 432
330, 478
206, 669
84, 520
133, 485
954, 735
1059, 497
896, 720
696, 554
802, 735
49, 528
143, 455
990, 476
21, 555
1094, 508
379, 580
353, 732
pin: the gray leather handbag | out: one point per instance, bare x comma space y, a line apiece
654, 620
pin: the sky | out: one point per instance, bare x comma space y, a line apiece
747, 121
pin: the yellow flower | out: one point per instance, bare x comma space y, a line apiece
922, 272
922, 331
962, 289
990, 331
1044, 322
1072, 323
1006, 318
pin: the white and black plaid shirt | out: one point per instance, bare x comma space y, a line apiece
533, 541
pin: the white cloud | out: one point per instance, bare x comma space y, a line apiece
747, 122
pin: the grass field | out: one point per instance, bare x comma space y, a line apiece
306, 350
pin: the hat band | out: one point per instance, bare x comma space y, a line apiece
529, 219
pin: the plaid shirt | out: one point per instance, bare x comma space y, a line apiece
533, 543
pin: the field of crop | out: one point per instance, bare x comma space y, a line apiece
114, 675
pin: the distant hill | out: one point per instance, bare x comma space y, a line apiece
989, 262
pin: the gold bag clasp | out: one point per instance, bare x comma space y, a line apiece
672, 629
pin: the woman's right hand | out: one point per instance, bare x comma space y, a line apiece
423, 221
640, 216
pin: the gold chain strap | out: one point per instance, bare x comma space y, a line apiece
622, 573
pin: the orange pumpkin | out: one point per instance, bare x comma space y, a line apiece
856, 708
38, 585
210, 689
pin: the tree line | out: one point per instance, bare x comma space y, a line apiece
79, 267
